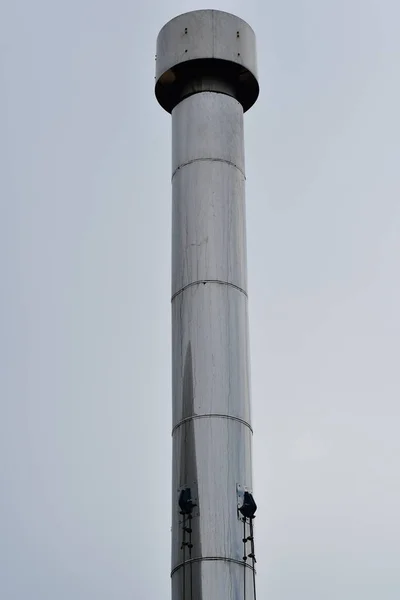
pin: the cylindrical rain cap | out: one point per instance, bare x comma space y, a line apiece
206, 44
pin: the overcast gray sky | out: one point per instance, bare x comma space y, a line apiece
85, 396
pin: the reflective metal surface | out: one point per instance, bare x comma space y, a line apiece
205, 34
206, 37
210, 350
209, 232
207, 126
208, 196
209, 235
211, 582
211, 424
210, 344
219, 451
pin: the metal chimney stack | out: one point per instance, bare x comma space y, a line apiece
206, 77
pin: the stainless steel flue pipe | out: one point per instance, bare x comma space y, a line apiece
206, 77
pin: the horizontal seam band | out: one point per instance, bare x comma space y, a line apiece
242, 563
190, 162
209, 416
204, 281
